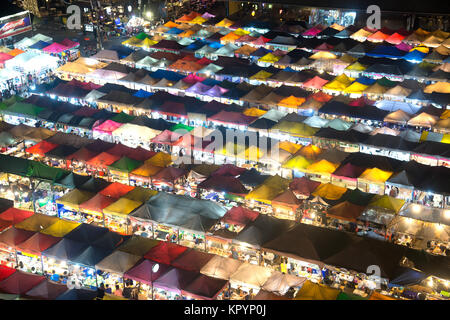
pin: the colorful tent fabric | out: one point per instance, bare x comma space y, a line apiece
329, 191
122, 207
60, 228
375, 174
313, 291
74, 198
118, 262
165, 252
221, 267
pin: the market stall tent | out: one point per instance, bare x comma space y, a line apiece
118, 262
221, 267
279, 283
250, 275
313, 291
20, 282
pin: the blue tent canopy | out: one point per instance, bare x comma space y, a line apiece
122, 51
169, 75
86, 233
407, 277
215, 45
386, 52
211, 82
414, 56
196, 45
174, 31
78, 294
91, 256
366, 81
143, 94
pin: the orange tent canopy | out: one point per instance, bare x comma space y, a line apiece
116, 190
41, 148
291, 102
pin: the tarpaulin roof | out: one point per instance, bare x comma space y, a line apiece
13, 236
175, 280
142, 272
20, 282
14, 215
118, 262
65, 249
375, 174
314, 291
192, 260
223, 184
329, 191
165, 252
78, 294
37, 243
74, 198
297, 163
5, 272
308, 243
251, 275
60, 228
345, 211
122, 207
181, 211
221, 267
47, 290
97, 203
36, 222
103, 160
263, 229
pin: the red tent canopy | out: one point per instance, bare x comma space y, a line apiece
240, 215
5, 272
12, 237
102, 160
228, 170
361, 102
303, 186
173, 109
227, 184
321, 96
47, 290
140, 154
165, 252
86, 112
97, 203
15, 215
37, 243
169, 174
192, 260
348, 170
116, 190
20, 282
175, 279
84, 85
82, 155
142, 272
204, 288
41, 148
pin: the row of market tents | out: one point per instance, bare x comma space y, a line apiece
101, 249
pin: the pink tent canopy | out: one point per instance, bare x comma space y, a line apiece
260, 41
166, 137
404, 47
107, 127
55, 48
4, 57
313, 31
192, 79
315, 83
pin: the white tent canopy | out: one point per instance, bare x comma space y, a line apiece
250, 275
280, 283
221, 267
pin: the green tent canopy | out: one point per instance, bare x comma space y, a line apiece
42, 171
180, 126
5, 104
123, 118
13, 165
22, 108
142, 36
125, 164
349, 296
385, 82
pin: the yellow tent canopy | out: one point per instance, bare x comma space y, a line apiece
225, 23
322, 166
441, 87
161, 159
277, 182
329, 191
339, 83
289, 146
252, 153
198, 20
323, 55
310, 151
361, 35
356, 67
231, 149
132, 41
346, 58
445, 114
140, 194
356, 88
146, 170
108, 296
254, 112
36, 222
261, 75
146, 43
74, 198
337, 27
295, 128
291, 102
296, 163
122, 207
263, 193
378, 296
421, 49
269, 58
171, 25
241, 32
375, 175
314, 291
60, 228
387, 203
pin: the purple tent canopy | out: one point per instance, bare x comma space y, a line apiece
142, 272
216, 91
198, 88
175, 280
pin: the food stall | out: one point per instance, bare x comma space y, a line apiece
115, 214
286, 205
145, 273
248, 278
68, 205
120, 170
112, 268
205, 288
91, 211
169, 286
9, 239
373, 180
